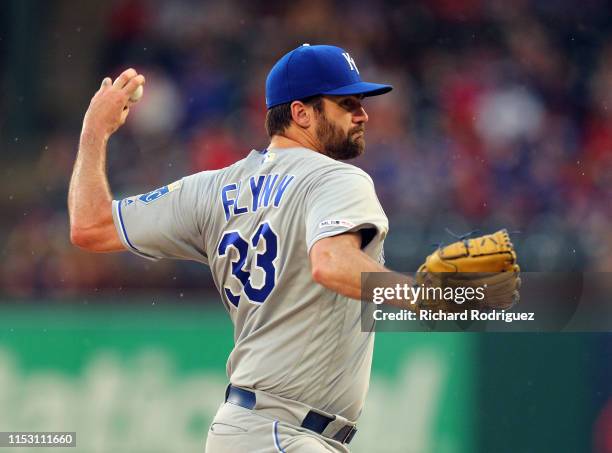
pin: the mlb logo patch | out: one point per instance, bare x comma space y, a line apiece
269, 157
333, 223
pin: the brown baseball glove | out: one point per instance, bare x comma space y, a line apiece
486, 264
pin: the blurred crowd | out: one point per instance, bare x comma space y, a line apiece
501, 116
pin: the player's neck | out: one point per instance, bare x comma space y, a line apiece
282, 141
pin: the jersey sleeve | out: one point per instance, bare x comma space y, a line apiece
345, 201
169, 222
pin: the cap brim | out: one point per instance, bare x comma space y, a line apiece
365, 88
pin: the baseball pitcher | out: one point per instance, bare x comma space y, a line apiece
287, 232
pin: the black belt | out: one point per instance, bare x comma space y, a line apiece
313, 421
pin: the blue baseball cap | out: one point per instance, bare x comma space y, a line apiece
313, 70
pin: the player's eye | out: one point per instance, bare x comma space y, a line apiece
350, 104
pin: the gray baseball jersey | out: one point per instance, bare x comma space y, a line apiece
254, 224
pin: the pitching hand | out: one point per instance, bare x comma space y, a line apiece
110, 105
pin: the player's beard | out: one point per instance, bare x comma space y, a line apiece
337, 144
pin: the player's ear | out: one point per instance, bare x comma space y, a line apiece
301, 114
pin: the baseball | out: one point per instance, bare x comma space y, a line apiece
137, 94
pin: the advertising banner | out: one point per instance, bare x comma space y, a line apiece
150, 379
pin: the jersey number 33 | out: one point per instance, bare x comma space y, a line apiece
265, 244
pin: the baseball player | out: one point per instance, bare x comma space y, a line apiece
287, 232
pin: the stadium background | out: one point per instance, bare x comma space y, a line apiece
501, 116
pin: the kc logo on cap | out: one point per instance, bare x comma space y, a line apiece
350, 61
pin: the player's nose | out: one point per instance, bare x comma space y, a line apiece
361, 116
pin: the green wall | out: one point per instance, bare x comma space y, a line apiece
146, 378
